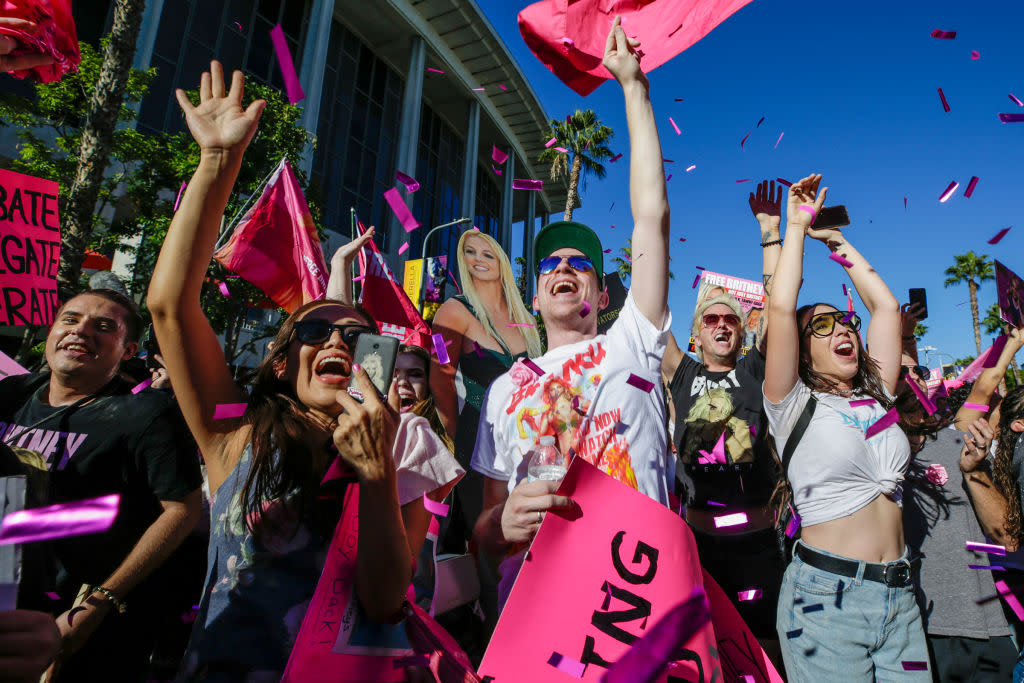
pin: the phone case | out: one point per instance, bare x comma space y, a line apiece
376, 354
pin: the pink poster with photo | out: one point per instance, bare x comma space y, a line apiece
1011, 295
29, 249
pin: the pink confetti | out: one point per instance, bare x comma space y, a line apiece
527, 184
479, 351
751, 594
862, 402
586, 309
883, 423
479, 89
563, 150
783, 181
607, 251
537, 370
640, 383
915, 666
497, 155
715, 503
904, 203
52, 595
433, 70
401, 211
227, 411
948, 192
502, 86
411, 184
929, 406
990, 567
568, 42
77, 518
743, 180
779, 140
284, 60
674, 126
668, 178
223, 286
744, 141
359, 278
497, 171
970, 186
521, 325
616, 157
945, 104
793, 525
1010, 598
691, 168
717, 454
944, 35
551, 142
844, 290
144, 384
440, 348
1016, 100
432, 506
566, 665
1011, 118
838, 258
696, 281
735, 519
667, 161
181, 191
975, 54
239, 26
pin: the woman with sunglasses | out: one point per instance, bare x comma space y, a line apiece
847, 609
272, 515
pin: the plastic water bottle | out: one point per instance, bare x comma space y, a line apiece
546, 463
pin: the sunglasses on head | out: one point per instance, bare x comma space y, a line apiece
581, 264
318, 331
822, 324
921, 371
711, 319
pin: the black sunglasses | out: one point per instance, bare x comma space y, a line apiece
581, 264
318, 331
822, 324
920, 370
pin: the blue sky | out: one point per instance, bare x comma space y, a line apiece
854, 88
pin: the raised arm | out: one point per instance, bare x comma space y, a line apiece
989, 505
988, 381
194, 359
783, 352
648, 196
766, 206
339, 285
884, 337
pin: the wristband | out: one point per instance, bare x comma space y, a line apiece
810, 210
109, 596
770, 243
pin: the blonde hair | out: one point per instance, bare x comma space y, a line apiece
725, 299
517, 311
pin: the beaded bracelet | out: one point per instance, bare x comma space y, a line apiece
109, 595
770, 243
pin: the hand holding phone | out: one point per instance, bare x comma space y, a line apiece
920, 301
376, 355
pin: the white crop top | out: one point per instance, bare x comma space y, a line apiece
834, 470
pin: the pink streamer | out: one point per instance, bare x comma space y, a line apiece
616, 157
743, 180
783, 181
181, 191
284, 60
497, 155
432, 506
411, 184
976, 406
674, 126
948, 192
144, 384
400, 210
845, 263
779, 140
440, 349
551, 142
944, 35
77, 518
223, 286
999, 235
926, 402
883, 423
1016, 100
640, 383
1010, 598
527, 184
433, 70
862, 402
227, 411
970, 186
533, 366
945, 104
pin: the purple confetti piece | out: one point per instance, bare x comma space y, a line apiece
999, 235
479, 351
793, 525
77, 518
838, 258
743, 180
844, 290
759, 123
181, 191
783, 181
945, 104
715, 503
433, 70
862, 402
989, 548
696, 281
284, 61
744, 140
411, 184
992, 567
848, 317
943, 35
619, 155
970, 186
1011, 118
144, 384
227, 411
440, 348
668, 178
401, 210
1016, 100
915, 666
995, 351
883, 423
586, 310
533, 366
567, 665
527, 184
52, 595
640, 383
948, 192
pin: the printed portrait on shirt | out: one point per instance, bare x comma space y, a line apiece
712, 413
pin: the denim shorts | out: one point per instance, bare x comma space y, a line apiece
838, 628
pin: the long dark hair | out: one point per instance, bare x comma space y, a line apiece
282, 463
1005, 479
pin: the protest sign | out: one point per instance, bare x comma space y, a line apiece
29, 249
1011, 295
594, 579
749, 293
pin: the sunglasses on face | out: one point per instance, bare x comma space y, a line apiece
921, 371
581, 264
711, 319
822, 324
318, 331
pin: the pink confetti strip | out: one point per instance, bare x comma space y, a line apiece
862, 402
144, 384
904, 203
668, 178
223, 286
759, 123
944, 35
52, 595
479, 351
793, 525
567, 665
607, 251
411, 184
527, 184
779, 140
479, 89
948, 192
989, 548
432, 506
497, 155
401, 211
691, 167
640, 383
77, 518
971, 185
616, 157
284, 60
551, 142
838, 258
735, 519
990, 567
674, 126
668, 161
404, 248
1016, 100
844, 290
497, 171
945, 104
537, 370
883, 423
359, 278
915, 666
929, 406
748, 595
976, 406
521, 325
744, 140
975, 54
563, 150
1010, 598
586, 309
227, 411
696, 281
239, 26
440, 348
715, 503
502, 86
783, 181
433, 529
181, 191
743, 180
999, 235
1011, 118
433, 70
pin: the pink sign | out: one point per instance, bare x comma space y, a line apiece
29, 249
9, 366
593, 581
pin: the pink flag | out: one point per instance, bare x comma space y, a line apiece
666, 27
275, 245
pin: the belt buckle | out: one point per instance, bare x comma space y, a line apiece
897, 574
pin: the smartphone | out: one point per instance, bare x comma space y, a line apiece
376, 354
831, 217
917, 296
149, 344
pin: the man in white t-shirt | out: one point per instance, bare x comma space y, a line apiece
599, 396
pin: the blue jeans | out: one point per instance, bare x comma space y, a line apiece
838, 628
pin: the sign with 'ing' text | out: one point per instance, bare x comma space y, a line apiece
29, 249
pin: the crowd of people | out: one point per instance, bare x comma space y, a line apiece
819, 428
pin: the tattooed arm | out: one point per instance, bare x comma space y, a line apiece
766, 206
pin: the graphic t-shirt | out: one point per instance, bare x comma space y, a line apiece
712, 403
584, 401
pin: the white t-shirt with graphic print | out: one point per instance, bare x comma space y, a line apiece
585, 401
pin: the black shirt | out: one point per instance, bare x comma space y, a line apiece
136, 445
707, 404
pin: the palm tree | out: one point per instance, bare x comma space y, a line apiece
920, 330
583, 136
624, 263
972, 269
993, 324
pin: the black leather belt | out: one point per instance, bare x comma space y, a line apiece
894, 574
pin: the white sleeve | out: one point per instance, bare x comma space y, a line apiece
486, 460
782, 416
422, 461
643, 340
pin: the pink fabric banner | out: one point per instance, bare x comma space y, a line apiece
55, 36
275, 245
29, 249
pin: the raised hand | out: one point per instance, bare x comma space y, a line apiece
977, 441
766, 205
804, 193
346, 253
621, 57
219, 124
911, 315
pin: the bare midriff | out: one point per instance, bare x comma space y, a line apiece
872, 534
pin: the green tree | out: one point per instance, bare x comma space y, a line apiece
624, 263
521, 279
972, 269
584, 138
920, 329
994, 324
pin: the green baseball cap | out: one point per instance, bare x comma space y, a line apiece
555, 236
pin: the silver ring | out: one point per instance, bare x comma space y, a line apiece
540, 517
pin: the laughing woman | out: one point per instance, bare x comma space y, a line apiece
847, 609
271, 517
